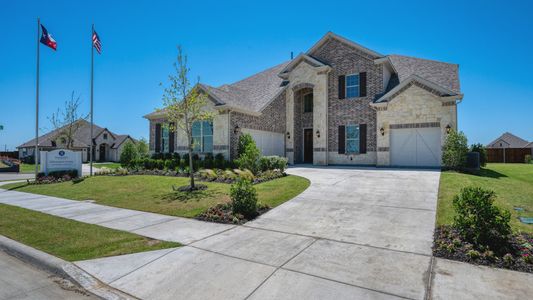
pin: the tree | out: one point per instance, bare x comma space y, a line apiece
249, 154
455, 150
129, 154
142, 147
184, 105
68, 120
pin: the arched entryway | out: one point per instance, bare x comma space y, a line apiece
303, 125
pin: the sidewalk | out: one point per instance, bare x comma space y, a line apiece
156, 226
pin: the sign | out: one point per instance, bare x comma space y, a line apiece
60, 160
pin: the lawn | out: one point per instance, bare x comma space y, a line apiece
27, 168
107, 165
156, 194
513, 184
68, 239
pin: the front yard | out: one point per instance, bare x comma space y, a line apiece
513, 184
155, 193
68, 239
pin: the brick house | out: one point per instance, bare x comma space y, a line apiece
338, 103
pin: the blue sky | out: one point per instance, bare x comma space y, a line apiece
492, 41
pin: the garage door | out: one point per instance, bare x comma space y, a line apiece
415, 147
270, 143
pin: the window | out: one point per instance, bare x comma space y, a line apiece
308, 103
105, 136
202, 136
352, 86
352, 139
165, 140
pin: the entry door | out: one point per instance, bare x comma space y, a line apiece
102, 152
308, 145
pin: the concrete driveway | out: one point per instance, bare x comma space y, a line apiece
354, 233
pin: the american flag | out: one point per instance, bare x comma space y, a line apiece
96, 42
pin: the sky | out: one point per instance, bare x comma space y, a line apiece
225, 41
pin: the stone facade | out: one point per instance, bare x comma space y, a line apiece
416, 107
272, 119
302, 120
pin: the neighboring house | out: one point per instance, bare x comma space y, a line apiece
509, 140
338, 103
107, 145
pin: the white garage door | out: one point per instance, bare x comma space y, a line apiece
270, 143
415, 147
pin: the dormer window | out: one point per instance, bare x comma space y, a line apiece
105, 136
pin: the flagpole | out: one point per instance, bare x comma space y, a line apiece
92, 74
37, 105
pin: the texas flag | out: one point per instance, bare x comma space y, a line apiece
47, 39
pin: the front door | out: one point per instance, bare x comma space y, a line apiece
102, 152
308, 146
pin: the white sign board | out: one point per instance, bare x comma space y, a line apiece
60, 160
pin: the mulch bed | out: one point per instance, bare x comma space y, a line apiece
223, 213
518, 256
256, 180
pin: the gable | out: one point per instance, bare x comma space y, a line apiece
338, 41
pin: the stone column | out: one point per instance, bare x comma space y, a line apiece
320, 119
289, 141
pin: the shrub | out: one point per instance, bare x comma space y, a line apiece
61, 174
208, 174
229, 175
248, 154
129, 153
473, 254
479, 148
219, 162
527, 159
244, 198
455, 150
272, 163
478, 220
244, 174
176, 156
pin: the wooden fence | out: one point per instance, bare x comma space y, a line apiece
507, 155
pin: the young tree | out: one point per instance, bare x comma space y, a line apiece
455, 150
67, 120
129, 154
184, 104
142, 147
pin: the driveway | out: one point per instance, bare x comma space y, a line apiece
354, 233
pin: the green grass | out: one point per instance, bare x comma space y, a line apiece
513, 184
107, 165
155, 193
68, 239
27, 168
2, 165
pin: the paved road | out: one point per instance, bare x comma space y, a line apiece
21, 281
354, 233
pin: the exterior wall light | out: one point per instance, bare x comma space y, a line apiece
237, 129
288, 135
318, 133
382, 131
448, 129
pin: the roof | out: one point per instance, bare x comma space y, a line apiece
81, 137
254, 93
512, 140
444, 74
119, 139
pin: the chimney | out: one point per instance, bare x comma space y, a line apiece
292, 55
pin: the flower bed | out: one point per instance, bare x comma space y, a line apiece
518, 254
223, 213
55, 177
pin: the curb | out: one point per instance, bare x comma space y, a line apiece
61, 268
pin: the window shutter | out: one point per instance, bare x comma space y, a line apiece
362, 138
171, 139
362, 84
342, 140
342, 87
157, 138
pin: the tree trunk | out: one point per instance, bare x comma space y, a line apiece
191, 168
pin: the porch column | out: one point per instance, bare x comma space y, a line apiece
289, 139
320, 119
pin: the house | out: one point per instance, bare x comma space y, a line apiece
509, 140
107, 145
337, 103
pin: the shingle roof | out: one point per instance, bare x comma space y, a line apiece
441, 73
252, 93
120, 139
81, 136
512, 140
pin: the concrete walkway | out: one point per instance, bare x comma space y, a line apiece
354, 233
